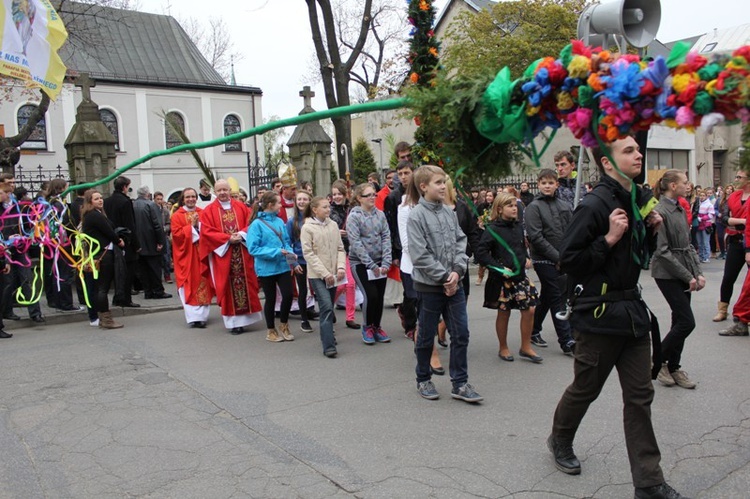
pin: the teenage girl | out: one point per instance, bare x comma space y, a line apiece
370, 257
269, 244
293, 228
677, 272
326, 259
505, 292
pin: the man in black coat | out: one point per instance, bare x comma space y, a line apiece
150, 233
119, 209
603, 251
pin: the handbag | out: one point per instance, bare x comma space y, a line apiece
88, 268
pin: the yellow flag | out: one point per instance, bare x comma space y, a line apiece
31, 33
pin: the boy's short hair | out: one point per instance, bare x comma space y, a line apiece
546, 173
560, 155
403, 164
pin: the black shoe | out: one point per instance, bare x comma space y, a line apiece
3, 334
662, 491
162, 296
536, 340
38, 319
533, 358
438, 370
330, 353
131, 305
312, 314
353, 325
565, 459
237, 330
194, 325
569, 347
202, 324
11, 317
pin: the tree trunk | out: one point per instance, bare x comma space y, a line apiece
9, 153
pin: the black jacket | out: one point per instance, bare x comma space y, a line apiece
491, 253
148, 226
599, 269
390, 208
339, 213
119, 209
96, 225
468, 223
527, 197
546, 220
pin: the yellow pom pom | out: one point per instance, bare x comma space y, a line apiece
579, 67
565, 101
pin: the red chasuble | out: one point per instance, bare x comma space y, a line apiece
191, 272
234, 276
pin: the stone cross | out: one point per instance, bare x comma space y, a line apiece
85, 83
307, 95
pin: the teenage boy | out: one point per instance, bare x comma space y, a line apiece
547, 219
603, 253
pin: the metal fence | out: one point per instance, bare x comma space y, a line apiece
260, 175
32, 178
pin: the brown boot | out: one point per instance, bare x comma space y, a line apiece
106, 321
273, 336
284, 331
721, 315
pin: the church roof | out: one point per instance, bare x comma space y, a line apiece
127, 46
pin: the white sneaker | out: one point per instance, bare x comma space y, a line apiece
94, 323
665, 377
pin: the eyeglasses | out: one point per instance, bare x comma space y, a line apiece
371, 195
740, 177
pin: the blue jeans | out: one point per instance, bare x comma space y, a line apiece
453, 309
704, 252
325, 297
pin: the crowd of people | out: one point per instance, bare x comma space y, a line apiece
303, 249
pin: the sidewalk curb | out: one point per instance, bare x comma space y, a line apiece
57, 318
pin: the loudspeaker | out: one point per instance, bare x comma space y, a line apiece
636, 20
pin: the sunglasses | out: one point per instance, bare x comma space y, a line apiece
739, 177
371, 195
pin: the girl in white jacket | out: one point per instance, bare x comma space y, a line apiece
326, 264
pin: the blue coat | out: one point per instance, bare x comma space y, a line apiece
296, 243
265, 244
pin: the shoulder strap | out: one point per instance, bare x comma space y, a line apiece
278, 234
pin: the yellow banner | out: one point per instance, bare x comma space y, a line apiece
31, 33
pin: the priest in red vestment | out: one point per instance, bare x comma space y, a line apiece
192, 274
223, 227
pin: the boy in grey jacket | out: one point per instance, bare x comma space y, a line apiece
437, 249
547, 218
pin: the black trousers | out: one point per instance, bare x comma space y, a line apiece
595, 356
373, 291
683, 321
269, 283
552, 283
98, 289
150, 273
732, 267
19, 277
302, 292
125, 271
63, 297
407, 311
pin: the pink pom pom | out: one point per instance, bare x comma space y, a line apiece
685, 116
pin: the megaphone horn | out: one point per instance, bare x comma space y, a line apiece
636, 20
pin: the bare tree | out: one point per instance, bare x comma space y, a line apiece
214, 42
334, 68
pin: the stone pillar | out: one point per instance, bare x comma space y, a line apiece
310, 150
90, 145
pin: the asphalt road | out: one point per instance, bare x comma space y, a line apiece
159, 410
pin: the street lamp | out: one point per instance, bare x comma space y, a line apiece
379, 142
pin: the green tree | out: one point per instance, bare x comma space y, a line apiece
512, 34
364, 162
274, 142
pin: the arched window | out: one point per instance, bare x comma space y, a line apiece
174, 120
38, 138
232, 126
110, 121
